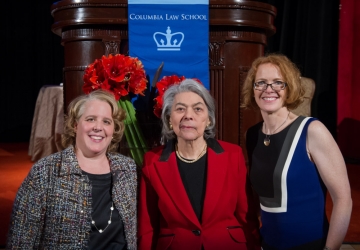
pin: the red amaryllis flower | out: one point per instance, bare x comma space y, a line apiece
162, 86
94, 76
137, 82
119, 74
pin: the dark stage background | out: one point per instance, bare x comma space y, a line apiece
32, 56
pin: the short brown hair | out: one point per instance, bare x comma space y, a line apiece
76, 110
290, 73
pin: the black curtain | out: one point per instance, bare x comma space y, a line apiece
32, 56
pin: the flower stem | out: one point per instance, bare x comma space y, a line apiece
139, 133
133, 133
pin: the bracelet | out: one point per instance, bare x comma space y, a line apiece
327, 248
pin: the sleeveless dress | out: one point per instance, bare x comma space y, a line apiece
291, 192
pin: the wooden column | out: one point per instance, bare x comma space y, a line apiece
88, 30
238, 34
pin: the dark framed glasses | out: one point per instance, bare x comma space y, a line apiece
276, 86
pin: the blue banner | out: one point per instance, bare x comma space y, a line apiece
175, 32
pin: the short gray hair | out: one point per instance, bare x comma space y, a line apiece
187, 85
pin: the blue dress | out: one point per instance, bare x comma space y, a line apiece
291, 192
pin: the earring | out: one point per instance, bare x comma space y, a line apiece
170, 125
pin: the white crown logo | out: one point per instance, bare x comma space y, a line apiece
172, 40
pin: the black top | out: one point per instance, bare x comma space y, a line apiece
113, 236
263, 158
193, 176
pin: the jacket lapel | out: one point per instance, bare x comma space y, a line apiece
216, 174
124, 193
171, 179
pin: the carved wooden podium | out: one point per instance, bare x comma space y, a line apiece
238, 34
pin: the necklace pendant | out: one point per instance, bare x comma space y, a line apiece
267, 141
267, 136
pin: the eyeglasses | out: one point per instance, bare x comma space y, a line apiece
276, 86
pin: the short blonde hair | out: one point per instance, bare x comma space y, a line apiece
76, 110
291, 74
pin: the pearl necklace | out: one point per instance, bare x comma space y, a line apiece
267, 136
109, 221
190, 161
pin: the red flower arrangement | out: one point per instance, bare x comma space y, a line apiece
119, 74
162, 86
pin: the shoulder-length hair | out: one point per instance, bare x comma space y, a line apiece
77, 108
290, 73
187, 85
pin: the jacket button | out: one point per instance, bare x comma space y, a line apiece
196, 232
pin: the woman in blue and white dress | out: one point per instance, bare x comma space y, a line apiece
293, 161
